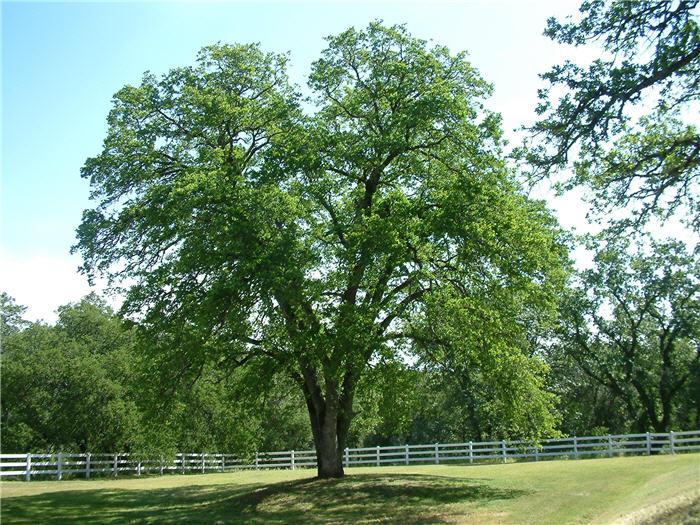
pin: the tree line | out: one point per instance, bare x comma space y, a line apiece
86, 384
370, 256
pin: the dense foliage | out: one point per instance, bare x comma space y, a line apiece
83, 385
66, 387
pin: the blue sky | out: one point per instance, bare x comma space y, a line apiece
62, 62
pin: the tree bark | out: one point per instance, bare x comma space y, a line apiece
329, 428
329, 453
330, 417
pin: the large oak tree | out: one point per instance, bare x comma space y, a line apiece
248, 232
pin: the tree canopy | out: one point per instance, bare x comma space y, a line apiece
628, 119
250, 232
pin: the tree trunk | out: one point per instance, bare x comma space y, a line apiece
330, 417
329, 454
330, 431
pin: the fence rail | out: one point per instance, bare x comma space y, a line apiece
31, 465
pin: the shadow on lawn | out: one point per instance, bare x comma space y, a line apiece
390, 498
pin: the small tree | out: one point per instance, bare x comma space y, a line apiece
11, 313
256, 235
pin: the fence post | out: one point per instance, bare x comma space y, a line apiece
257, 464
59, 466
223, 462
648, 444
138, 468
610, 449
202, 462
471, 453
182, 462
537, 452
672, 442
160, 463
406, 455
575, 448
292, 460
437, 455
347, 457
28, 470
114, 465
87, 465
503, 448
378, 455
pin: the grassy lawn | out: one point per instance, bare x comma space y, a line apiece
588, 491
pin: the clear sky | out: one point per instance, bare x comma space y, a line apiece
62, 62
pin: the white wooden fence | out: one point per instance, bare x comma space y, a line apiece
85, 465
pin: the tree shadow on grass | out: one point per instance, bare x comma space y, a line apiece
362, 498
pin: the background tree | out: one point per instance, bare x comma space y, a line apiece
632, 326
83, 385
586, 406
387, 398
210, 417
69, 387
258, 236
628, 120
11, 316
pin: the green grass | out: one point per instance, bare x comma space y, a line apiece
589, 491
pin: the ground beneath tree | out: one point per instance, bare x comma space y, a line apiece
627, 490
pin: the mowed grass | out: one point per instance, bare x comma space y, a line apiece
587, 491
